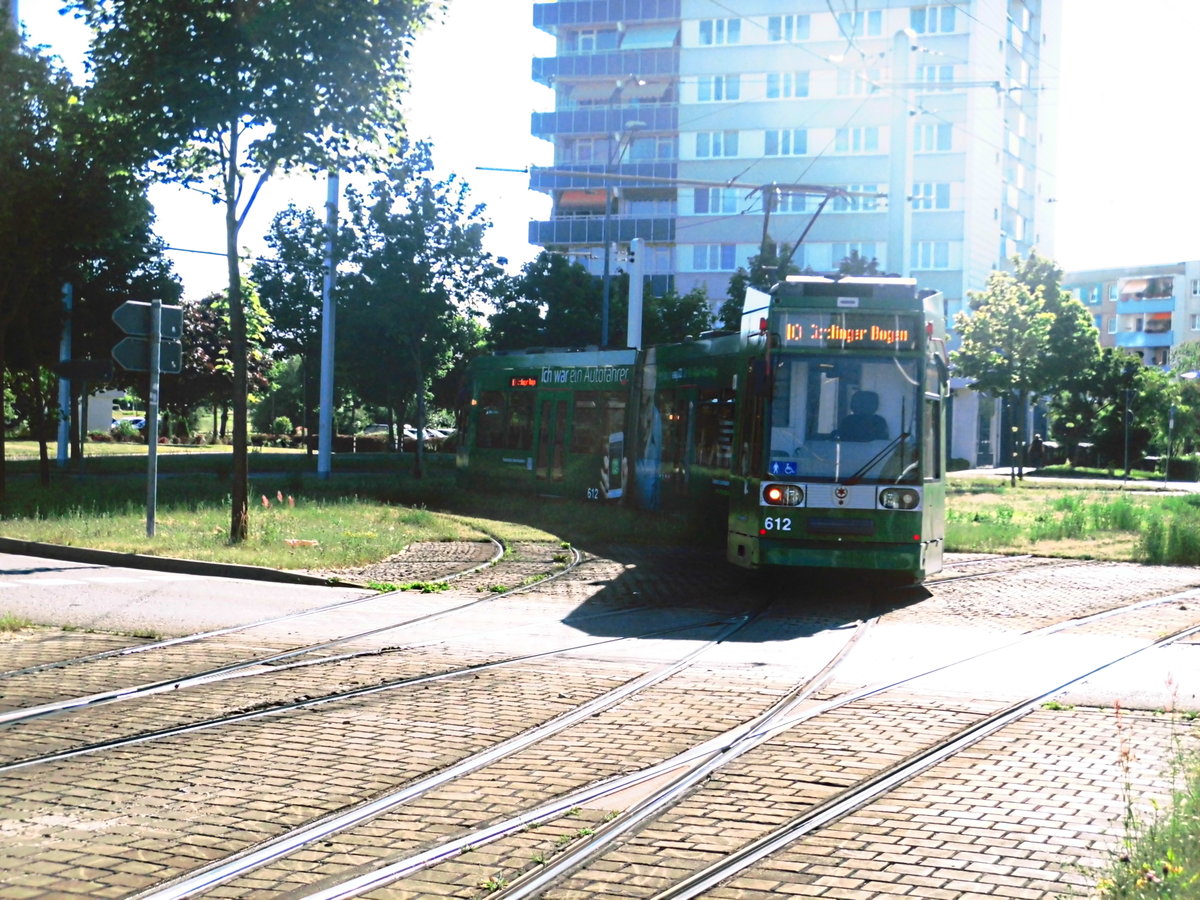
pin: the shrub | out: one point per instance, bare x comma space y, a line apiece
282, 425
1182, 469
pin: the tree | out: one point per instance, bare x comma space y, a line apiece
290, 286
1016, 343
765, 270
857, 264
419, 275
72, 212
207, 375
221, 94
674, 317
553, 303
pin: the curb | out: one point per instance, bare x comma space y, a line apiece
165, 563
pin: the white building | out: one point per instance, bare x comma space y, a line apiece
703, 113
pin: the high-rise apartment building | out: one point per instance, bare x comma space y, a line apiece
706, 113
690, 124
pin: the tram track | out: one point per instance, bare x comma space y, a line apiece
272, 850
266, 709
177, 682
496, 555
700, 762
883, 782
646, 763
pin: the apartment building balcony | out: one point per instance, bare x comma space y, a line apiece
1147, 288
1130, 307
585, 230
575, 13
1135, 340
595, 175
660, 117
612, 64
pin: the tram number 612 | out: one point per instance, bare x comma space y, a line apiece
777, 523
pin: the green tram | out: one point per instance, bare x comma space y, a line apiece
816, 432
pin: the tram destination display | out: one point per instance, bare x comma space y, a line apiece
845, 331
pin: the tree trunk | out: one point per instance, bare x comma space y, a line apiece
39, 419
239, 526
3, 418
419, 372
304, 410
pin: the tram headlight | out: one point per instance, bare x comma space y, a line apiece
782, 495
899, 498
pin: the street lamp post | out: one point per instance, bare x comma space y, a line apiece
614, 158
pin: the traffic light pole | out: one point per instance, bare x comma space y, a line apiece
152, 415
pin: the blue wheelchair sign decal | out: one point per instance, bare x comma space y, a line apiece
781, 467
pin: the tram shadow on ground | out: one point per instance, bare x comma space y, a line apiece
663, 587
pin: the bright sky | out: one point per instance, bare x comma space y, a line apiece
1127, 183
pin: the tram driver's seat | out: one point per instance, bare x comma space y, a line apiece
863, 423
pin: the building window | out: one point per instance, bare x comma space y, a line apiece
857, 140
856, 82
786, 142
714, 257
653, 147
794, 203
1112, 324
595, 40
713, 88
787, 28
1112, 290
857, 204
932, 138
932, 19
711, 144
864, 249
935, 78
781, 85
715, 200
1195, 287
720, 31
860, 24
1195, 322
931, 195
931, 255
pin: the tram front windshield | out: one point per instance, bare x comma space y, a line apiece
845, 419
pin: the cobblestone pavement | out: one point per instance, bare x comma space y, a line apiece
1023, 813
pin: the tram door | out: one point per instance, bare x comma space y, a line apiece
552, 435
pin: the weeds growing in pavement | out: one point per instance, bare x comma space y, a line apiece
1160, 851
10, 622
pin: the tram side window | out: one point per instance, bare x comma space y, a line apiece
672, 407
586, 431
519, 433
714, 428
505, 421
932, 440
598, 414
489, 423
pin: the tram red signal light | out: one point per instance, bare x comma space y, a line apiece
782, 495
762, 325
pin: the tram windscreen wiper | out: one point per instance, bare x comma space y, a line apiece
874, 460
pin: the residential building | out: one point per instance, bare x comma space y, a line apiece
1144, 310
691, 124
